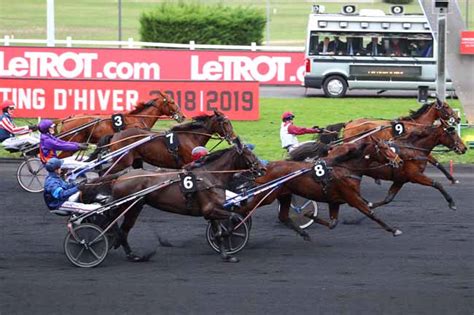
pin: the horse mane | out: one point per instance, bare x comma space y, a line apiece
352, 153
139, 107
196, 123
416, 114
313, 149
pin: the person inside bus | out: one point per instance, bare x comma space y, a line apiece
353, 46
9, 131
374, 48
324, 47
337, 46
397, 48
421, 48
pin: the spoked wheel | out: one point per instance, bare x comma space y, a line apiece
87, 248
31, 175
301, 209
234, 239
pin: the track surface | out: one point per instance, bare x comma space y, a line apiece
354, 269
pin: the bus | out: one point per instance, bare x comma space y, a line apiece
369, 50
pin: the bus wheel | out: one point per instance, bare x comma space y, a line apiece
335, 86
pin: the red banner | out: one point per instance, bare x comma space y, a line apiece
285, 68
62, 98
467, 43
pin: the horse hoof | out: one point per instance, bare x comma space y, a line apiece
370, 205
134, 258
231, 259
452, 206
454, 182
397, 232
307, 238
333, 224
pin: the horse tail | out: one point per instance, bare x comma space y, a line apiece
330, 137
98, 188
313, 149
101, 147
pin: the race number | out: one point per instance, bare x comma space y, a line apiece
320, 170
171, 141
188, 183
118, 122
398, 128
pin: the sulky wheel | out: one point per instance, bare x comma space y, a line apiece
88, 247
234, 239
31, 175
301, 209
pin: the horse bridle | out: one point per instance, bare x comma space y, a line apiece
221, 120
393, 163
442, 109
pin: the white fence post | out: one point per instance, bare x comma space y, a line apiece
192, 45
130, 42
68, 41
7, 40
253, 46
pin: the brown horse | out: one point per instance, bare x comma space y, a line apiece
425, 115
415, 150
212, 174
171, 149
144, 115
341, 173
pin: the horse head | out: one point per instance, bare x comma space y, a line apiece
450, 138
218, 123
248, 159
445, 112
384, 152
165, 105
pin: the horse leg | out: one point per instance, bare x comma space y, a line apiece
392, 192
426, 181
284, 217
128, 222
333, 217
215, 224
439, 166
354, 199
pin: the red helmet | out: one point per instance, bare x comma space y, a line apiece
287, 115
199, 152
7, 103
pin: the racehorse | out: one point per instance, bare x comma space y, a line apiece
212, 174
144, 115
415, 150
334, 179
425, 115
171, 149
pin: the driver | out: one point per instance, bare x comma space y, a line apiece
49, 144
60, 195
8, 129
288, 131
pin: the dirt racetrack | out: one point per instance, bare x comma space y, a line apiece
354, 269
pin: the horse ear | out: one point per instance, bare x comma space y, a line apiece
154, 92
239, 145
217, 113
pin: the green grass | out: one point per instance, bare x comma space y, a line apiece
315, 111
98, 20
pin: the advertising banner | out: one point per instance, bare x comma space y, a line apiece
268, 68
55, 98
467, 43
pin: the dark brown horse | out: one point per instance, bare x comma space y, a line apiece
415, 150
425, 115
340, 181
144, 115
212, 174
171, 149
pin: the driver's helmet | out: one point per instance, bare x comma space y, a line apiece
44, 125
6, 104
198, 152
287, 116
53, 164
